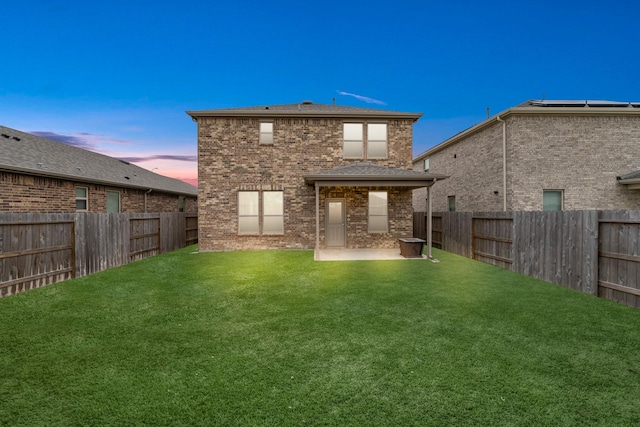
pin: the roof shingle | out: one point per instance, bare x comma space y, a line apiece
303, 109
367, 171
26, 153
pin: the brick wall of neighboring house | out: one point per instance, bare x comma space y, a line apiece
232, 159
474, 167
26, 193
579, 154
134, 201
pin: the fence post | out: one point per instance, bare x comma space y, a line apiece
72, 241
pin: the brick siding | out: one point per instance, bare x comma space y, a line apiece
26, 193
231, 159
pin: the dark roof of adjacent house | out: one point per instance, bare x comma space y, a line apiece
304, 109
22, 152
366, 172
542, 107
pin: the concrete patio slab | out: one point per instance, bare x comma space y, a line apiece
358, 254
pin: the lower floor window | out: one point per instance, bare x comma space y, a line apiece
113, 201
260, 212
378, 212
82, 198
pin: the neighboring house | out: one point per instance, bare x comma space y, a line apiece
41, 175
540, 155
305, 175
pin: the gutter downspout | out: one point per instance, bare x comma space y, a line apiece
429, 221
145, 199
504, 163
317, 251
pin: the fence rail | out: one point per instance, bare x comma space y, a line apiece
595, 252
40, 249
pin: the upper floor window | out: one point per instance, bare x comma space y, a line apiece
113, 201
353, 141
377, 140
426, 165
552, 200
266, 132
82, 198
452, 203
358, 145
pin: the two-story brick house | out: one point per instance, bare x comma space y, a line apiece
540, 155
305, 175
41, 175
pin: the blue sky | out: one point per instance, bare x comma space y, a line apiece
117, 76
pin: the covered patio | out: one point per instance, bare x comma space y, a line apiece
370, 176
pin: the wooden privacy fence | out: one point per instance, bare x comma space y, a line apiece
595, 252
40, 249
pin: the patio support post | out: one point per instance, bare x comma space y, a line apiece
429, 222
317, 220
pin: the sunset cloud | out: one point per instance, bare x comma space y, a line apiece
136, 159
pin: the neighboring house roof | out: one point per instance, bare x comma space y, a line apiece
25, 153
367, 173
551, 107
304, 109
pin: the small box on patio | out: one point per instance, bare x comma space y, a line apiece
411, 247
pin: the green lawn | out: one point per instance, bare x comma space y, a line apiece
272, 338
